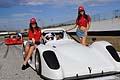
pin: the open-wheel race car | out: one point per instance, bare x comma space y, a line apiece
62, 58
14, 39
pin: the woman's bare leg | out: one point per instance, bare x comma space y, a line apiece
29, 54
84, 40
80, 40
26, 50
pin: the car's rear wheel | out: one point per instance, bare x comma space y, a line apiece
37, 62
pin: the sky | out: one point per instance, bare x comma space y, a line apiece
15, 14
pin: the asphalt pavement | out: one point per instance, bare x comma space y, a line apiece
10, 64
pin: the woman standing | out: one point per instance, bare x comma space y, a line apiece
34, 38
83, 22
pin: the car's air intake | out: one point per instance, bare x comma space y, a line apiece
51, 59
113, 53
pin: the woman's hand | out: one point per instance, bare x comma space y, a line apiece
83, 28
33, 40
86, 32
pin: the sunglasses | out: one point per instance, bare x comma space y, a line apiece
32, 23
81, 11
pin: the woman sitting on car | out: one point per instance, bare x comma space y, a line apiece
34, 38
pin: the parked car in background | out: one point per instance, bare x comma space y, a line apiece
14, 39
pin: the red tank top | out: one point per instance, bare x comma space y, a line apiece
36, 34
83, 21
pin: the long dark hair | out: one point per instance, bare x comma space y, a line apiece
31, 28
80, 15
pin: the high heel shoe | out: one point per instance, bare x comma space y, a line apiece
25, 66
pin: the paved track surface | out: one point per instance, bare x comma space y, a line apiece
10, 64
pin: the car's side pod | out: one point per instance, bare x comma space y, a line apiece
51, 59
113, 53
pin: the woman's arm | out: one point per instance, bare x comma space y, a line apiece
41, 38
72, 28
40, 35
88, 25
31, 36
89, 22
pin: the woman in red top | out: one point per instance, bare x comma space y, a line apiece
34, 38
83, 22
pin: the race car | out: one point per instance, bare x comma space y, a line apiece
15, 39
65, 59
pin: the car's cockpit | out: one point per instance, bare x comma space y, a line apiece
49, 35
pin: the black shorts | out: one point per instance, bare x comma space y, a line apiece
30, 43
37, 42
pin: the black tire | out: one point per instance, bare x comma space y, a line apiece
37, 62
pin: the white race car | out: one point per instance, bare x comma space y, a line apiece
62, 58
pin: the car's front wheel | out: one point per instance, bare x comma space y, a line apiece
37, 62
